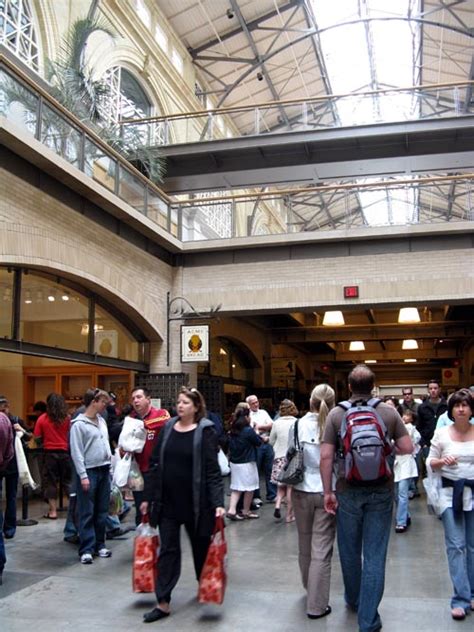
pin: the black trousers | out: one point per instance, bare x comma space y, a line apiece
169, 563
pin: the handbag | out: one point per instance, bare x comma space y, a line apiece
145, 557
292, 472
213, 579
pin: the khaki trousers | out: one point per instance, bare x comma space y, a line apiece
316, 532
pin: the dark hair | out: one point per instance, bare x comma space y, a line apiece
463, 395
239, 421
56, 408
40, 407
126, 410
361, 379
197, 399
146, 392
407, 388
433, 381
408, 413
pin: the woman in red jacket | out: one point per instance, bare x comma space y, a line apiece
53, 428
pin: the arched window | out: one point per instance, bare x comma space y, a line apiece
54, 313
126, 99
17, 31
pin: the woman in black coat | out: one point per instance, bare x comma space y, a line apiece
184, 487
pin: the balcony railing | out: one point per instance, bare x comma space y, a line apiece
30, 107
413, 103
211, 216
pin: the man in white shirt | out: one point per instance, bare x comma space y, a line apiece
262, 423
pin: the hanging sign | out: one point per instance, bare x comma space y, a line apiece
195, 343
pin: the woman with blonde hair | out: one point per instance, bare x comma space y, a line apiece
279, 441
316, 528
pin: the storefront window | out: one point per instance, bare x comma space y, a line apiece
52, 314
112, 339
6, 299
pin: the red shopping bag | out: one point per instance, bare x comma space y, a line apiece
145, 557
213, 578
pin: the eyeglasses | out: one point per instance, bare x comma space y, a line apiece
409, 393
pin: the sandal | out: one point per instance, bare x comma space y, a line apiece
234, 517
289, 519
251, 516
48, 517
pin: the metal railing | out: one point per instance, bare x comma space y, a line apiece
389, 105
30, 107
212, 216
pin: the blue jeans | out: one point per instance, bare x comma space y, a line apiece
265, 456
401, 492
363, 520
11, 484
93, 509
3, 557
459, 539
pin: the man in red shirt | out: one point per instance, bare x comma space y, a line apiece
154, 420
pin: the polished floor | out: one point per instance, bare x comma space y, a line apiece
45, 588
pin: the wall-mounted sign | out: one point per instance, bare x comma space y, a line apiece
283, 367
450, 377
195, 343
106, 342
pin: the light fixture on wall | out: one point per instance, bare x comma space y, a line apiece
222, 352
333, 319
408, 315
51, 297
357, 345
409, 360
28, 299
409, 344
65, 296
85, 328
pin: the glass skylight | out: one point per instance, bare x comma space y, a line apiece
376, 53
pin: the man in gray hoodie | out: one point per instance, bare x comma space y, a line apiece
90, 452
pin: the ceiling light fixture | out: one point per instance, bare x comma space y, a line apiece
51, 297
333, 319
408, 315
371, 362
65, 296
357, 345
222, 351
409, 360
28, 299
409, 344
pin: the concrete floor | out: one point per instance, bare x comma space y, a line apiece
45, 588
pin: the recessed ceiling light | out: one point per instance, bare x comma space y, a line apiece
357, 345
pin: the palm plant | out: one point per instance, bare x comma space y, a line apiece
74, 86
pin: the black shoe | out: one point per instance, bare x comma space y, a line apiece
72, 539
8, 535
400, 528
319, 616
155, 615
277, 514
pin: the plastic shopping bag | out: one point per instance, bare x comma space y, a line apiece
23, 469
223, 463
122, 470
213, 580
145, 557
115, 501
135, 482
133, 435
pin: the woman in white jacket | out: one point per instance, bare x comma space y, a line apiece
316, 528
279, 441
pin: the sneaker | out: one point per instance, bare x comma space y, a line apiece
257, 502
86, 558
104, 552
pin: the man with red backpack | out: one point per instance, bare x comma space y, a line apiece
358, 436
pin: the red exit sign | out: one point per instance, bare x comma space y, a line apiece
351, 291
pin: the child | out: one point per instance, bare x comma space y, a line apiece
404, 471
